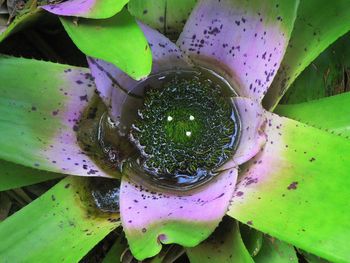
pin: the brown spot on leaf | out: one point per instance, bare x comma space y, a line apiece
293, 186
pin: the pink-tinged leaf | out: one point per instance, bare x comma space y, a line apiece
64, 152
87, 8
166, 55
151, 218
252, 137
243, 40
297, 189
39, 122
114, 85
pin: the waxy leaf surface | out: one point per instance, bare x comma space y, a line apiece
297, 189
86, 8
243, 40
61, 225
40, 108
117, 40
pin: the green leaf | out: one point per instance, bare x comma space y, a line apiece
224, 245
5, 206
312, 258
117, 40
150, 12
319, 23
39, 115
168, 254
297, 189
168, 16
331, 114
115, 253
15, 176
276, 251
61, 225
21, 22
327, 75
252, 239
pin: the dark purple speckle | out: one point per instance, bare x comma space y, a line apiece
84, 98
239, 193
293, 186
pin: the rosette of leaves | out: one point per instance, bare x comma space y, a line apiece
285, 178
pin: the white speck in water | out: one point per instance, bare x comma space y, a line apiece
191, 117
188, 133
170, 118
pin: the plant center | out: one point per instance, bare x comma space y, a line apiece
187, 127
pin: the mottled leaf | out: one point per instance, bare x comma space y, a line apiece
184, 218
245, 41
297, 189
87, 8
40, 107
61, 225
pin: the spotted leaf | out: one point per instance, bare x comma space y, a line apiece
244, 40
40, 112
151, 218
87, 8
286, 189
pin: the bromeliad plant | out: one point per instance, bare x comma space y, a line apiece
188, 137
